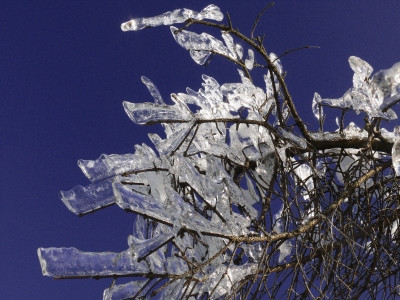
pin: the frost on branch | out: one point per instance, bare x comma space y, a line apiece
237, 196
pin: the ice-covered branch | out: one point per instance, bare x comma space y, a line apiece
234, 193
211, 12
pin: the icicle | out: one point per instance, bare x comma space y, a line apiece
153, 91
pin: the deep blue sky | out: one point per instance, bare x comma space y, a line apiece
66, 67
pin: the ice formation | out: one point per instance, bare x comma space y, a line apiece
211, 12
187, 190
374, 96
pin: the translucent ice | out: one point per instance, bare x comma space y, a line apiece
142, 247
394, 228
396, 157
199, 56
199, 42
156, 261
249, 62
211, 12
239, 51
173, 291
373, 96
388, 82
70, 262
316, 107
293, 138
277, 62
285, 249
230, 44
236, 273
141, 204
187, 173
81, 199
107, 166
153, 91
147, 113
360, 66
304, 172
166, 146
175, 265
125, 291
215, 278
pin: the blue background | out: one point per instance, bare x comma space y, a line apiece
66, 67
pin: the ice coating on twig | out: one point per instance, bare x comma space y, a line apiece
199, 45
316, 106
148, 113
396, 156
228, 39
293, 138
388, 83
215, 168
153, 91
304, 172
360, 66
82, 200
70, 262
125, 291
210, 12
249, 62
276, 61
239, 51
107, 166
141, 204
142, 247
285, 249
373, 96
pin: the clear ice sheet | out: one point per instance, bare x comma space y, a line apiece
81, 199
107, 166
211, 12
147, 113
71, 262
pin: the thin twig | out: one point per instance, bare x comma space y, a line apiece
258, 18
293, 50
